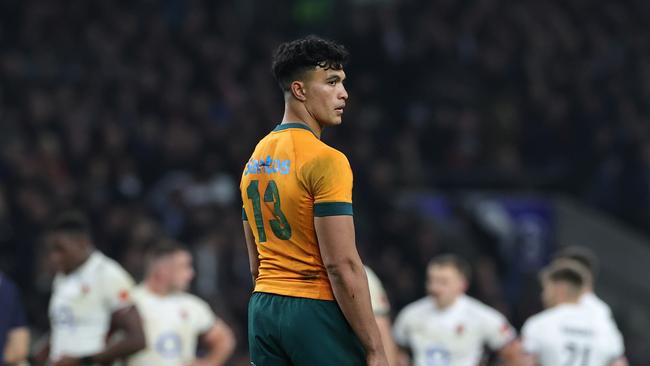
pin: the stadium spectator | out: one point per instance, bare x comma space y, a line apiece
14, 333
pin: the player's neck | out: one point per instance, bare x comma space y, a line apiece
156, 287
82, 260
298, 114
568, 301
446, 305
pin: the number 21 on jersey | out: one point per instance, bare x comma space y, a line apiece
279, 224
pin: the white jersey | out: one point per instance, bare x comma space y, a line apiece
82, 303
593, 302
172, 325
570, 334
454, 336
378, 298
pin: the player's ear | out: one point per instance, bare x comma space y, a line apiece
465, 285
298, 90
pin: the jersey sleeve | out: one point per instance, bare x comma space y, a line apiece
614, 340
530, 338
496, 329
329, 179
117, 288
401, 329
378, 298
204, 317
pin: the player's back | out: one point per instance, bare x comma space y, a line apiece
571, 334
291, 177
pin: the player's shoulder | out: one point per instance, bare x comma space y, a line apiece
320, 151
595, 303
547, 317
110, 268
478, 308
418, 307
192, 300
140, 292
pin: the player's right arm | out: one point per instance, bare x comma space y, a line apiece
347, 276
530, 345
17, 346
220, 341
251, 248
128, 320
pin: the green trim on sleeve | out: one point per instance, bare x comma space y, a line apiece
332, 209
243, 215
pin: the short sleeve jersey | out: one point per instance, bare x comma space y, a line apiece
82, 303
572, 334
172, 325
454, 336
291, 178
590, 300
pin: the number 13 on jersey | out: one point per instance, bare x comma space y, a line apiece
279, 224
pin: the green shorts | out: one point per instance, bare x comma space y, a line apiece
295, 331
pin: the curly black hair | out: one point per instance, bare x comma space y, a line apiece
70, 222
293, 58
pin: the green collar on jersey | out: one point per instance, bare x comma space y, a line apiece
292, 125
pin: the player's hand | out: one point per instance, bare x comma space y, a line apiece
376, 359
68, 361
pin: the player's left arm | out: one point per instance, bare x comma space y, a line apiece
502, 338
512, 353
220, 342
129, 322
17, 346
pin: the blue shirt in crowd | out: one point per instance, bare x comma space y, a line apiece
12, 313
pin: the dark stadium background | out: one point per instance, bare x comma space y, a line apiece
472, 127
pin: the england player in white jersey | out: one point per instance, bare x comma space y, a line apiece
91, 294
449, 328
174, 320
381, 309
569, 333
586, 258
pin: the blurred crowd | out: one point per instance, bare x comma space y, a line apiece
143, 113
